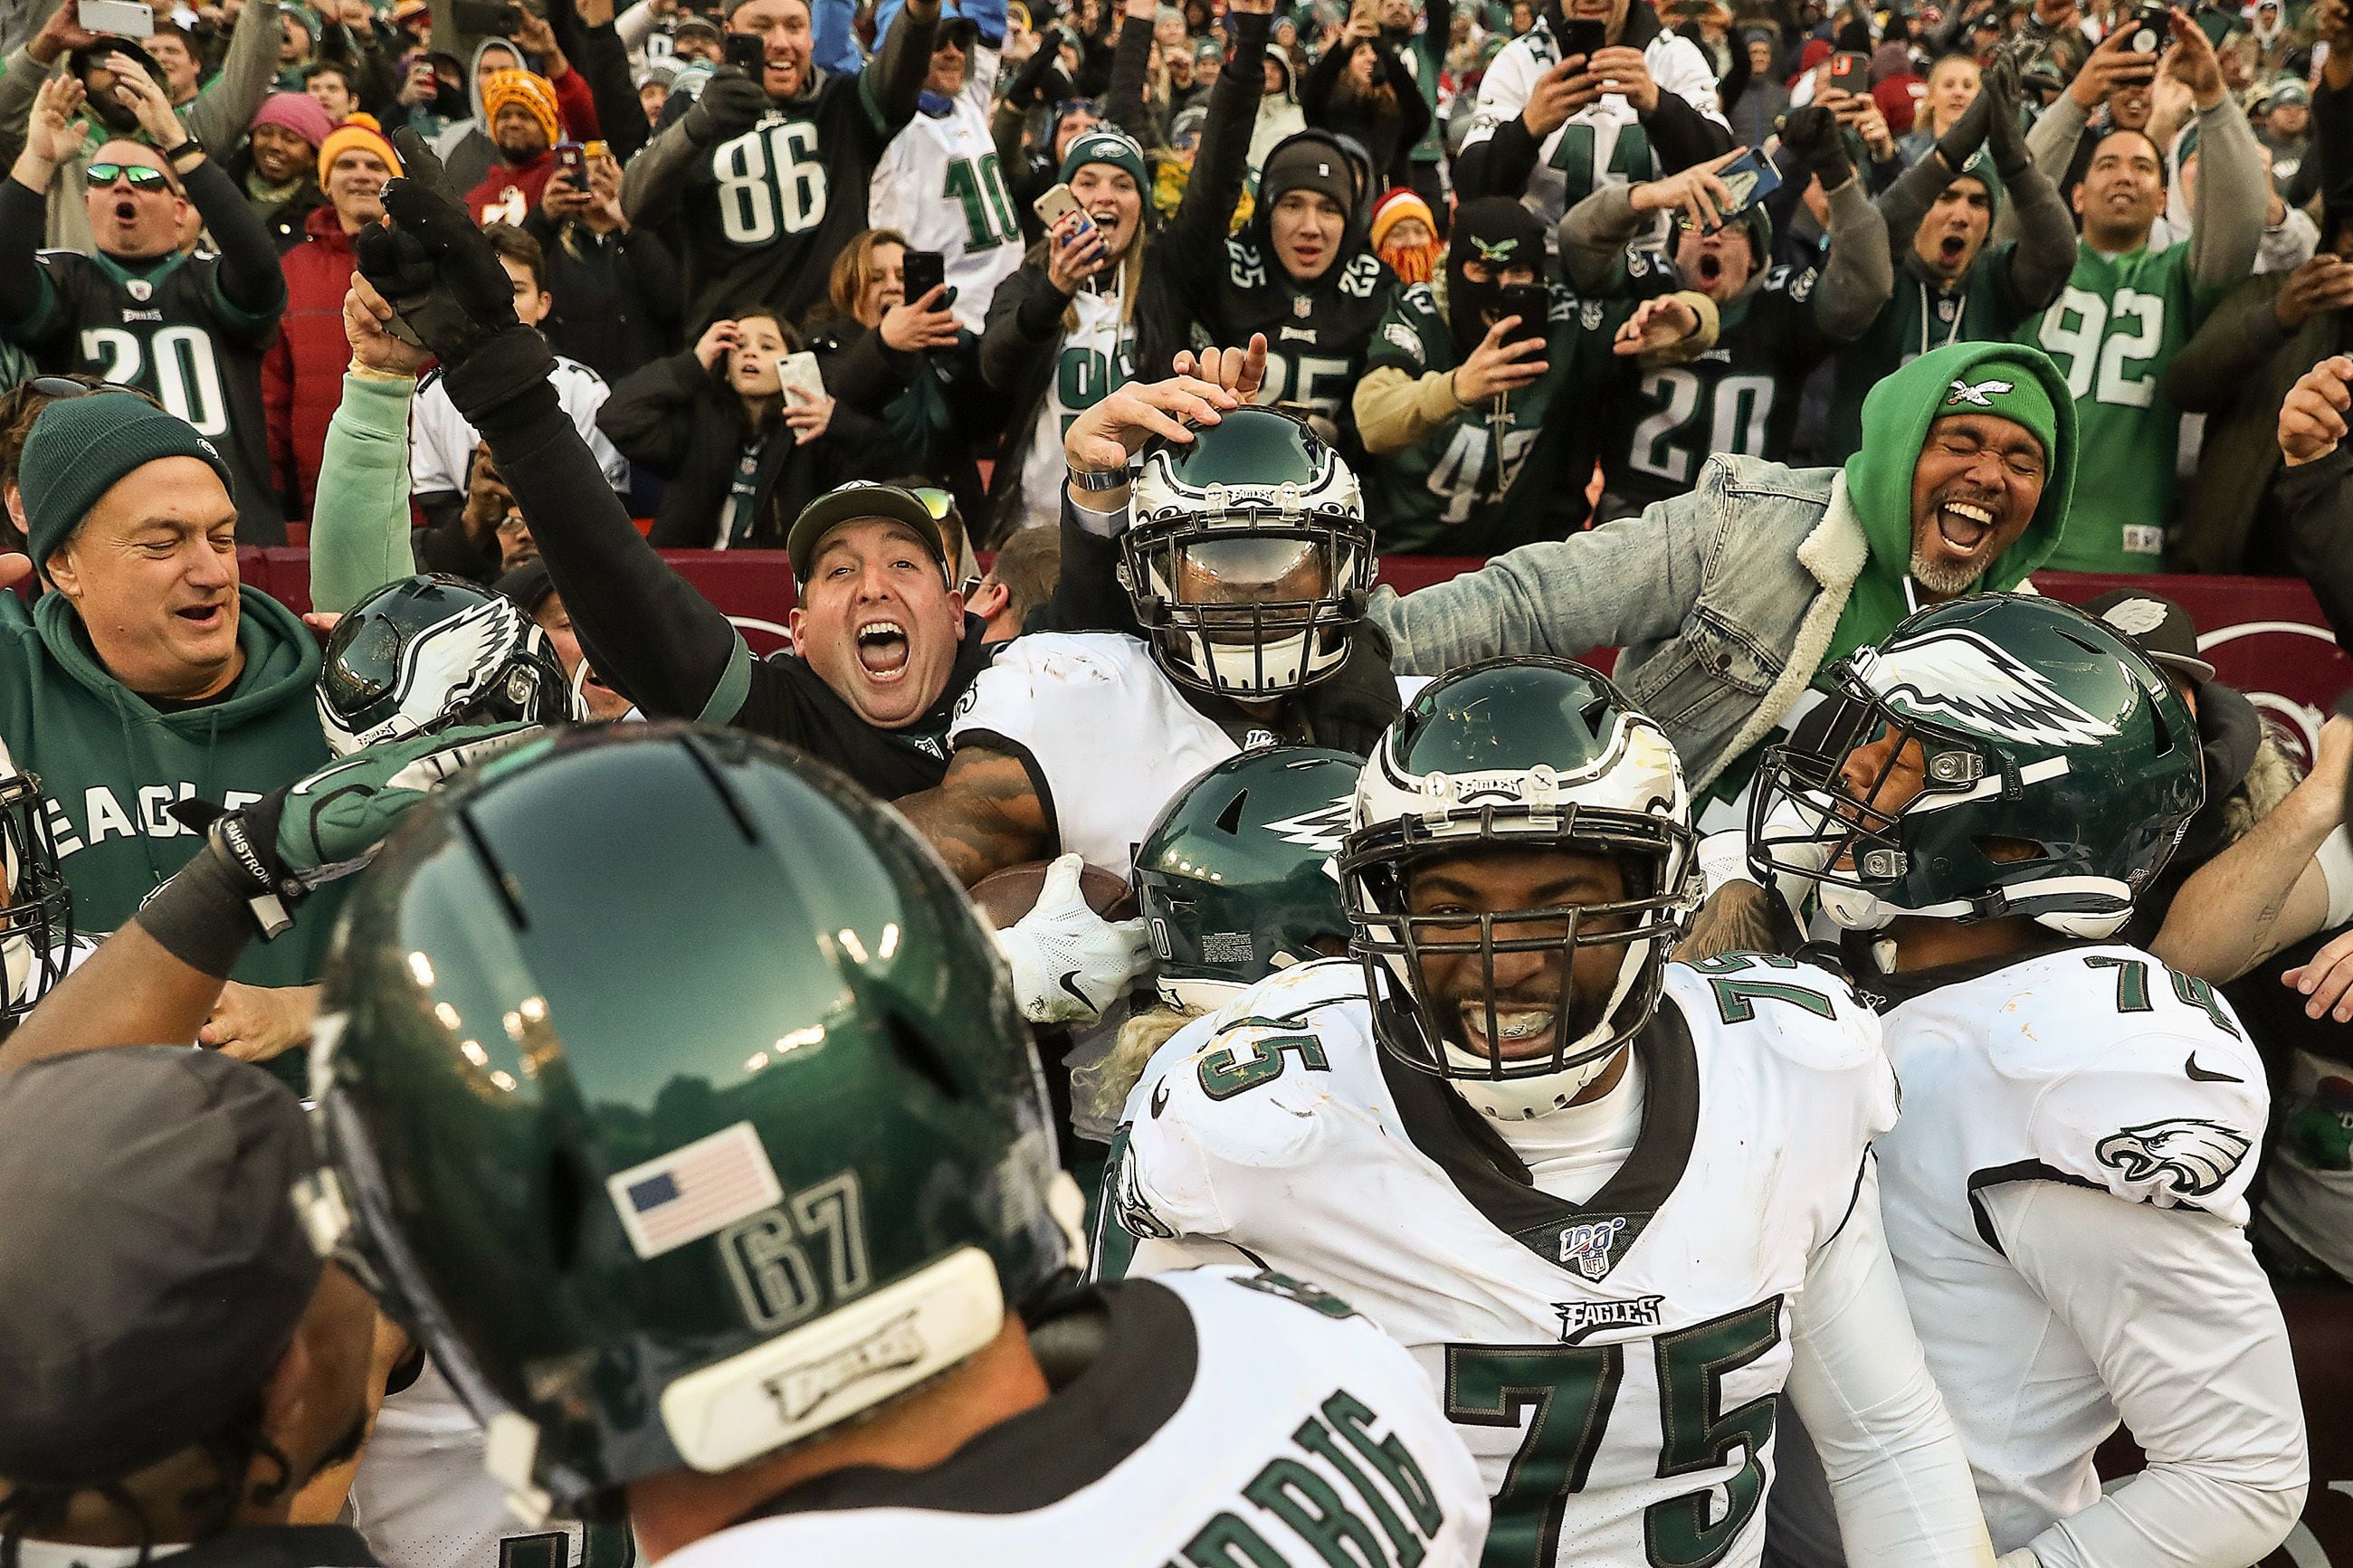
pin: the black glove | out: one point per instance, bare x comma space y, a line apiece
2005, 140
731, 103
416, 158
1957, 146
1814, 134
1032, 85
437, 271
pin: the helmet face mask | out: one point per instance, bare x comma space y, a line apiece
1509, 782
428, 653
1996, 756
36, 927
1250, 556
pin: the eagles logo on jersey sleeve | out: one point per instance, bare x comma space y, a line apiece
2170, 1110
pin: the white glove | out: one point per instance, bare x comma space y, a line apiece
1069, 963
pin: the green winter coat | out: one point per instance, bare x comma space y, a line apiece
111, 764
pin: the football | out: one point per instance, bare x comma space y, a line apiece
1006, 896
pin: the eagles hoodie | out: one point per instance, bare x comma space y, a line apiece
112, 763
1895, 420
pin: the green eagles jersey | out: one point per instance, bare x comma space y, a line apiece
112, 765
1740, 396
1917, 318
1484, 482
2112, 333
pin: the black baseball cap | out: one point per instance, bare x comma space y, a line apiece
2153, 624
152, 1263
857, 503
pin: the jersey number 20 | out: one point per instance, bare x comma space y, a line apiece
188, 379
771, 181
1566, 1392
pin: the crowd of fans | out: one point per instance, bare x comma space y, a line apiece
1673, 318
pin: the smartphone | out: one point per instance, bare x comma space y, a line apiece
1750, 179
747, 52
572, 164
1851, 71
799, 372
924, 271
1580, 35
1052, 206
485, 16
1532, 303
2152, 28
123, 18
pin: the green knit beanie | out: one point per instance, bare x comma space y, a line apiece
2006, 388
79, 449
1107, 144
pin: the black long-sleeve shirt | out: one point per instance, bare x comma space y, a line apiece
654, 638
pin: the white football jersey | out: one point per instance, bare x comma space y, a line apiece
939, 184
1227, 1417
1110, 738
423, 1500
2093, 1065
1093, 362
441, 443
1614, 1364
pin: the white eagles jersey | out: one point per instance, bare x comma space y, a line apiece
1093, 362
1226, 1417
2095, 1066
940, 184
1602, 143
1615, 1365
423, 1499
1109, 738
441, 443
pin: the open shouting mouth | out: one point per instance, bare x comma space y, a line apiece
883, 650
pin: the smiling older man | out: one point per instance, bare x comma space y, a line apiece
149, 677
1729, 602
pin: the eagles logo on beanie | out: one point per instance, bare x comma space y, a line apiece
1496, 232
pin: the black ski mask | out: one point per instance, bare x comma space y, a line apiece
1496, 232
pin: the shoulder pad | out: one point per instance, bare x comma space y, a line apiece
1801, 1011
1048, 671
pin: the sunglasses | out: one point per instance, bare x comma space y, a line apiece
141, 176
55, 387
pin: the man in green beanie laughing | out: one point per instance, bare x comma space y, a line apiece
148, 677
1727, 603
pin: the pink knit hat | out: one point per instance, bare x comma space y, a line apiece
298, 113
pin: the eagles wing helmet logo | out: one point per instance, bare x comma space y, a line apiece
1320, 829
457, 656
1962, 676
1975, 394
2189, 1156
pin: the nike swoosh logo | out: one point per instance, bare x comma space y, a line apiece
1066, 983
2200, 1075
1159, 1097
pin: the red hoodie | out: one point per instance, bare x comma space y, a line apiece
302, 372
509, 191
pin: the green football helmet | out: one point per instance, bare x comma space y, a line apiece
2010, 755
675, 1179
1533, 753
1234, 880
430, 652
1250, 557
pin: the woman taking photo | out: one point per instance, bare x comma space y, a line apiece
742, 452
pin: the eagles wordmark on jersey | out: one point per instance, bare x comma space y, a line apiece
1227, 1417
1614, 1364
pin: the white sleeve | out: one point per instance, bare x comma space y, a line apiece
2171, 1306
980, 80
440, 442
1681, 69
1897, 1474
587, 392
891, 182
1503, 91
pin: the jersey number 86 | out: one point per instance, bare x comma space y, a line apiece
771, 181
